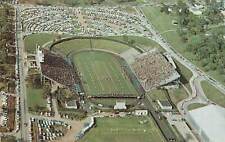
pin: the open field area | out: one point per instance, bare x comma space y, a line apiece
35, 98
8, 139
157, 94
195, 106
39, 39
102, 74
176, 95
163, 23
213, 94
123, 130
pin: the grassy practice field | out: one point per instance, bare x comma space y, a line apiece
102, 73
123, 130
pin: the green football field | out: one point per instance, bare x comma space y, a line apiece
128, 129
101, 73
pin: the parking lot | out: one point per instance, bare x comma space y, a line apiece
92, 21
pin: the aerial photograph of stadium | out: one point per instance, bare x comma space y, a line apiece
112, 70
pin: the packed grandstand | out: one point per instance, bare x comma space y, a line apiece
57, 69
153, 70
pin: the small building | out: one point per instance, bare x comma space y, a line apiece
39, 57
71, 104
141, 112
196, 9
165, 105
120, 105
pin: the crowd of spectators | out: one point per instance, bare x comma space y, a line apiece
152, 68
58, 69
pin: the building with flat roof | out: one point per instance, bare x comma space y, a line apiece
120, 105
209, 121
72, 104
143, 112
165, 105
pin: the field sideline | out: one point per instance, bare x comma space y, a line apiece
101, 73
128, 129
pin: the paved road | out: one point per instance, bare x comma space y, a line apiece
22, 83
55, 108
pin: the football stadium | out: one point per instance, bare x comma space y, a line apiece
104, 68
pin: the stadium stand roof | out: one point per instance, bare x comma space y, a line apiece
210, 122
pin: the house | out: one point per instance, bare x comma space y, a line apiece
141, 112
165, 105
120, 105
72, 104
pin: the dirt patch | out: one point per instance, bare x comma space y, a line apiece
70, 135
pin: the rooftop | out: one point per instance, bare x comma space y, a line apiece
210, 122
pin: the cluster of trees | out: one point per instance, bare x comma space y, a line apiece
7, 37
204, 35
7, 48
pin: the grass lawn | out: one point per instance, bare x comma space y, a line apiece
31, 41
163, 23
78, 44
36, 39
8, 139
195, 106
126, 129
102, 73
185, 72
142, 42
3, 86
35, 97
157, 94
176, 95
213, 94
